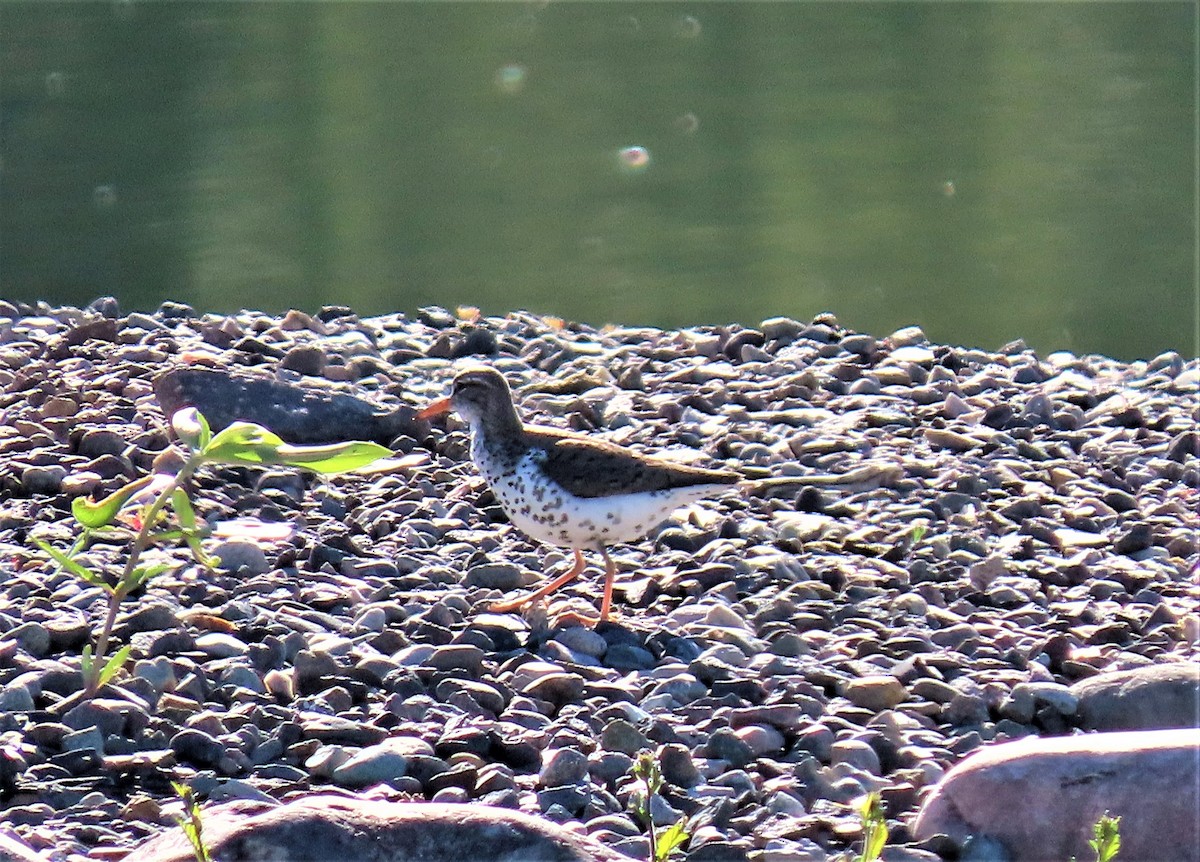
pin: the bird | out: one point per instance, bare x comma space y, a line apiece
568, 489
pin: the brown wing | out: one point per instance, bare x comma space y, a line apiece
595, 468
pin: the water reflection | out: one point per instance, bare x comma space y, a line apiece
991, 171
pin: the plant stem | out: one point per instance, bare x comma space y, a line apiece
140, 542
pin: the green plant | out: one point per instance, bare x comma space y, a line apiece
645, 769
190, 821
917, 533
159, 511
874, 827
1107, 840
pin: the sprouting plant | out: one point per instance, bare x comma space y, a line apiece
646, 770
874, 827
917, 533
156, 509
1107, 840
190, 821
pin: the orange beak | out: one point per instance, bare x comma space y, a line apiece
436, 408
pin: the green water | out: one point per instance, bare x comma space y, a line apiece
990, 171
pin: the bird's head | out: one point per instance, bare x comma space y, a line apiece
480, 396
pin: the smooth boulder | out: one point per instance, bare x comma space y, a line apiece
1145, 698
1040, 797
327, 827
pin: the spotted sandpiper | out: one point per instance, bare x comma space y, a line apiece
566, 489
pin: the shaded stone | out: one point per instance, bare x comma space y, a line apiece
380, 763
1148, 698
320, 828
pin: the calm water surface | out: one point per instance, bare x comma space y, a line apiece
988, 170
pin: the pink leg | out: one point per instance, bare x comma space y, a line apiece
565, 578
610, 574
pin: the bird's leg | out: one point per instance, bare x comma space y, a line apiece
565, 578
610, 575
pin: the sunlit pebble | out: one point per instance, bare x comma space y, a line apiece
634, 158
948, 188
511, 78
104, 196
56, 84
687, 27
687, 123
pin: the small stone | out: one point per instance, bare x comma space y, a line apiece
625, 657
762, 739
726, 745
856, 753
558, 688
305, 359
45, 480
583, 641
620, 735
197, 748
235, 555
677, 765
220, 645
381, 763
562, 766
464, 657
875, 693
33, 637
495, 576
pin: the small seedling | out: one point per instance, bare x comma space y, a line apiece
662, 845
874, 827
1107, 840
156, 509
190, 821
918, 533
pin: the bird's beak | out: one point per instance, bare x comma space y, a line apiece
436, 408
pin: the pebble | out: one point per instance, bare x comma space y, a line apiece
877, 692
561, 766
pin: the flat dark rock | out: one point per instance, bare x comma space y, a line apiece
327, 827
298, 414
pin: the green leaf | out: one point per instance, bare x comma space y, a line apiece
85, 662
247, 443
337, 458
243, 443
671, 838
1107, 842
101, 513
191, 427
142, 574
73, 566
873, 843
115, 663
183, 510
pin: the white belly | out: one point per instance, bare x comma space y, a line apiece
544, 511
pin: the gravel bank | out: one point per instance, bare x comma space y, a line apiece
974, 532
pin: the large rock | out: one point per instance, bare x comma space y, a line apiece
327, 827
1146, 698
13, 849
1041, 797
